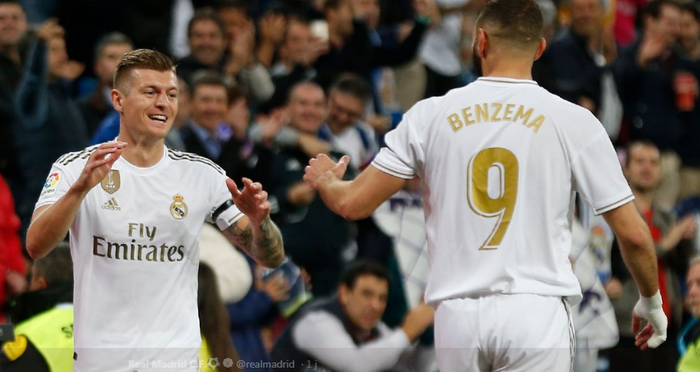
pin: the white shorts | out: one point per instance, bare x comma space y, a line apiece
504, 333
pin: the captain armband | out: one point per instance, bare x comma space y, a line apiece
226, 215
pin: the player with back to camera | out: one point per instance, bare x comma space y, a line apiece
500, 161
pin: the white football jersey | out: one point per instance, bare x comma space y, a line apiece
500, 161
135, 249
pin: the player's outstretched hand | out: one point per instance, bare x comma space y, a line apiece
99, 164
252, 200
650, 309
320, 165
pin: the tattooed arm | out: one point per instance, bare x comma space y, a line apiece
255, 233
261, 241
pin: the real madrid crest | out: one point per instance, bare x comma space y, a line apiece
178, 209
112, 182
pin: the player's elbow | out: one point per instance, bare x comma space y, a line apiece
635, 239
34, 247
353, 211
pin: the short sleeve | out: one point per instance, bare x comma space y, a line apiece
403, 153
598, 175
57, 184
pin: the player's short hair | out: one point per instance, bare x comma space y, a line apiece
353, 85
141, 59
57, 266
516, 22
637, 143
206, 14
205, 77
112, 38
362, 267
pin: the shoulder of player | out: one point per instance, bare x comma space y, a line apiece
194, 160
75, 158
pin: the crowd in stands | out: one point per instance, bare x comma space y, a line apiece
265, 85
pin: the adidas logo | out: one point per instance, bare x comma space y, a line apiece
111, 205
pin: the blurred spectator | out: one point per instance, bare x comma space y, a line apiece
206, 133
673, 247
689, 150
578, 63
13, 25
625, 17
350, 48
209, 44
44, 318
344, 128
688, 340
48, 122
441, 44
256, 310
646, 74
213, 321
272, 27
297, 54
344, 332
12, 264
96, 106
241, 156
314, 237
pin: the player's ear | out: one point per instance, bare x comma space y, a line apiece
116, 97
540, 49
343, 294
482, 44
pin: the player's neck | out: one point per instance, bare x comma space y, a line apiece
505, 68
142, 154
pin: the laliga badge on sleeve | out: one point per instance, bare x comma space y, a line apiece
52, 183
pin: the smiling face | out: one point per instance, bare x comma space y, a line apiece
209, 106
147, 102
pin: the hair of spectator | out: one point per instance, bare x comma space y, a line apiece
519, 23
333, 4
213, 317
692, 8
235, 93
56, 267
207, 14
112, 38
694, 260
362, 267
637, 143
205, 77
235, 4
293, 88
353, 85
12, 2
140, 59
653, 9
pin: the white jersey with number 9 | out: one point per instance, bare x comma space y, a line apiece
501, 160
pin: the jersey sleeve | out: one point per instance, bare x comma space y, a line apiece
57, 184
403, 154
222, 205
597, 171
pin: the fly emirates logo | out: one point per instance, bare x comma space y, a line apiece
141, 247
